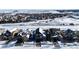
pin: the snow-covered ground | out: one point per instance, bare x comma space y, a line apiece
75, 28
45, 45
44, 24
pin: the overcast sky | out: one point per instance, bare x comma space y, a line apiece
39, 4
